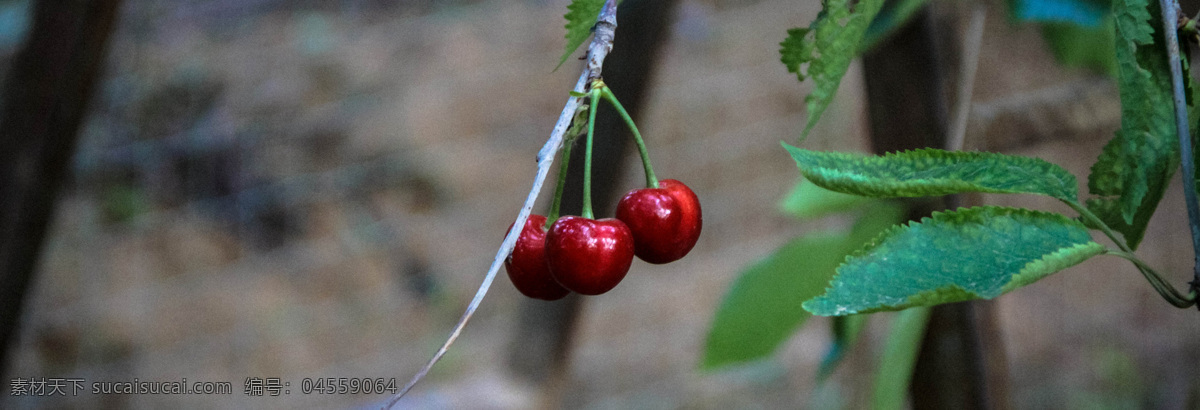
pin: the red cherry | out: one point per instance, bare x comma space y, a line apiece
527, 266
589, 256
689, 204
665, 221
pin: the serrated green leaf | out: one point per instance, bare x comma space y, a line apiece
1059, 260
1138, 162
933, 172
827, 46
954, 256
877, 217
1083, 47
899, 358
1109, 212
581, 16
808, 201
763, 307
796, 49
892, 16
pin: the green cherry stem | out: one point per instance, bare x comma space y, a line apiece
556, 204
1160, 285
587, 162
651, 180
1095, 220
1165, 289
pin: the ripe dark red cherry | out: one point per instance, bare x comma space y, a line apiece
665, 221
689, 204
527, 267
589, 256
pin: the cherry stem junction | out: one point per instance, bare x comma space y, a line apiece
601, 45
651, 180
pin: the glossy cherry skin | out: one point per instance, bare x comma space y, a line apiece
689, 205
665, 221
527, 267
589, 256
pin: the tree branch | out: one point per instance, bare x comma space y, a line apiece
598, 49
1170, 20
50, 83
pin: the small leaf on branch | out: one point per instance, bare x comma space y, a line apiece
581, 16
827, 46
1138, 162
933, 172
954, 256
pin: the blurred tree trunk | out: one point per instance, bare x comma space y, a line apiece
45, 98
540, 350
906, 96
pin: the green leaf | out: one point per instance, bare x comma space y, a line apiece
899, 357
1054, 262
581, 16
1083, 47
967, 254
891, 17
827, 46
808, 201
763, 307
1138, 162
1109, 212
933, 172
797, 49
876, 218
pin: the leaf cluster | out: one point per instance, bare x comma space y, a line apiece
823, 51
968, 253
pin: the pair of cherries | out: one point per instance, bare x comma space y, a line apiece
590, 257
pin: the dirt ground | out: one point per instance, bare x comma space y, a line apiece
298, 190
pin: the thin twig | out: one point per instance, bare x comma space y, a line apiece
598, 49
966, 78
1170, 22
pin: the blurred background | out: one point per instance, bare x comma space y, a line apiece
306, 189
